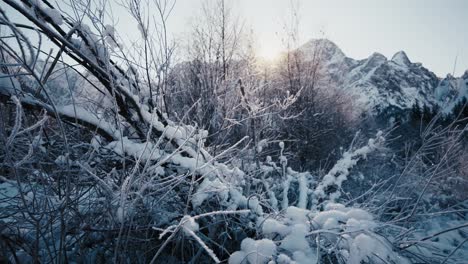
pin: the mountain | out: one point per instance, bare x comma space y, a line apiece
385, 86
451, 90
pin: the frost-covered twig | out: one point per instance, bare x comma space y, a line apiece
339, 173
203, 245
407, 244
188, 224
454, 250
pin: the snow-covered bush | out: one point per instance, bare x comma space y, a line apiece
103, 175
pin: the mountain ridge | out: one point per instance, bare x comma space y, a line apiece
380, 83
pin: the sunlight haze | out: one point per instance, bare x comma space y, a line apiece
431, 32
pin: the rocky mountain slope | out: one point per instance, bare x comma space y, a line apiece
380, 84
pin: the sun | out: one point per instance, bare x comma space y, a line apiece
268, 52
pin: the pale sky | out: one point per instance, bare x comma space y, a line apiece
432, 32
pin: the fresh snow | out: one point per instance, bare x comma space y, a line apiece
54, 15
189, 224
378, 84
254, 251
401, 58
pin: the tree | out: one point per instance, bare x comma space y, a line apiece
416, 113
208, 81
319, 114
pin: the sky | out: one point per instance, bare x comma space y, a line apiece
433, 32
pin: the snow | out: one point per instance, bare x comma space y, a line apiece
450, 91
334, 206
360, 214
283, 160
361, 247
254, 205
326, 49
401, 58
303, 190
364, 247
145, 151
286, 183
188, 223
237, 199
75, 111
322, 218
255, 251
340, 171
297, 215
189, 227
226, 194
61, 160
271, 226
375, 82
295, 240
109, 35
341, 214
294, 227
284, 259
54, 15
261, 144
109, 31
443, 243
120, 214
96, 142
301, 257
237, 257
207, 189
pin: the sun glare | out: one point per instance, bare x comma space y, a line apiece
268, 52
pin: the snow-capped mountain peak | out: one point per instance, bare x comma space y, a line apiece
374, 60
328, 50
384, 86
401, 58
465, 75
